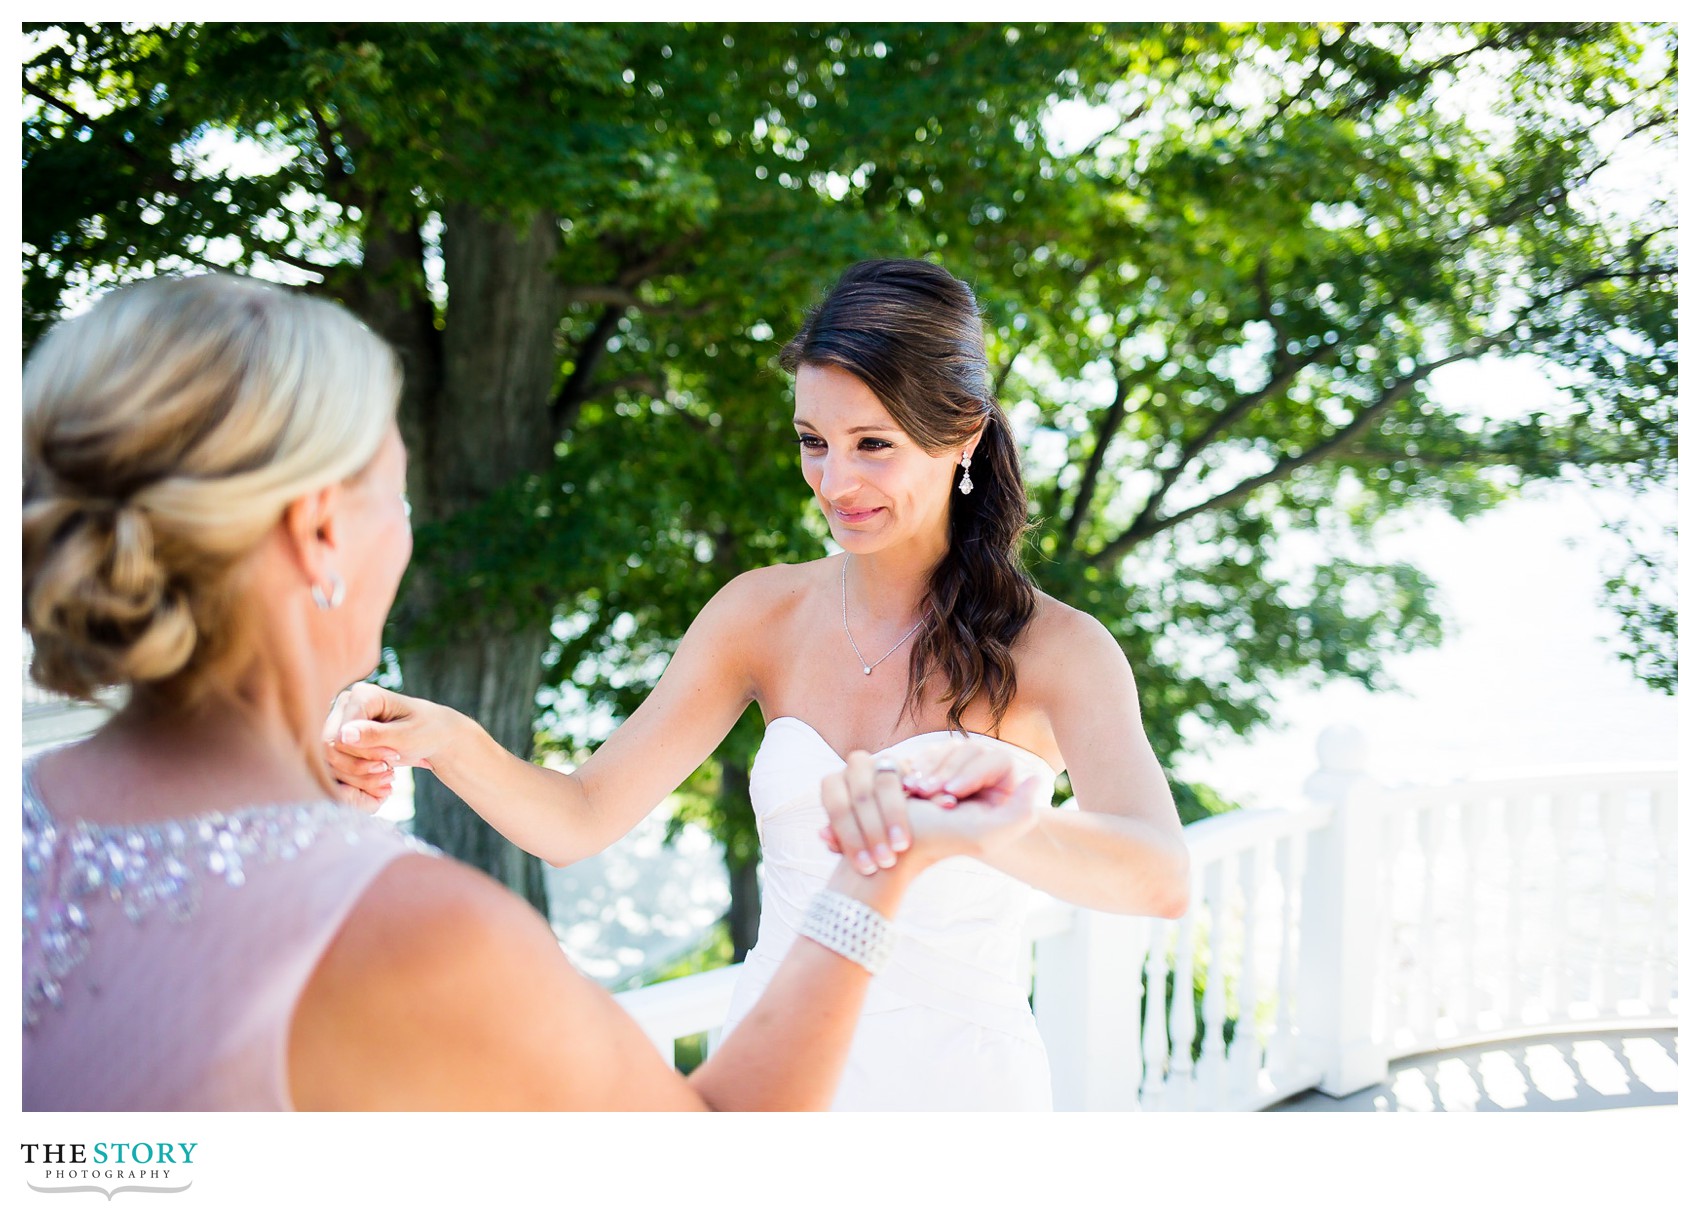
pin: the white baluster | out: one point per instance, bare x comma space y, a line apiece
1516, 835
1610, 807
1394, 1006
1213, 1056
1657, 981
1425, 1009
1183, 1023
1283, 1046
1086, 1002
1470, 830
1155, 1037
1244, 1056
1558, 977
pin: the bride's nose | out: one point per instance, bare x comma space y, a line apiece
837, 480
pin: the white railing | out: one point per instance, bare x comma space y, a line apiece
1513, 906
1320, 943
1324, 942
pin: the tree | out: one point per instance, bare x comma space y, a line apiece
560, 228
1215, 310
1225, 305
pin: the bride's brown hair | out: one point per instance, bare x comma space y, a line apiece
912, 333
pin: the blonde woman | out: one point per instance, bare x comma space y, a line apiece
213, 519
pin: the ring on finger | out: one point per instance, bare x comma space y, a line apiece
883, 765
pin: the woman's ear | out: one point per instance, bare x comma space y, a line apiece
311, 531
974, 442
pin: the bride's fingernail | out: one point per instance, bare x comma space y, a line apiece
865, 864
945, 800
350, 733
899, 840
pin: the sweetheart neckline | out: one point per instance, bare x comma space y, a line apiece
914, 737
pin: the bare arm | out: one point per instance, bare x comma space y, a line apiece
1123, 850
558, 816
444, 991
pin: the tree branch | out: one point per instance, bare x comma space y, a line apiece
1518, 208
1108, 423
1002, 377
64, 107
625, 299
644, 382
155, 181
1123, 121
1504, 458
337, 176
1281, 378
1145, 528
576, 390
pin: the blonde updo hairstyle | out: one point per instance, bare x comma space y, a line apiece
165, 432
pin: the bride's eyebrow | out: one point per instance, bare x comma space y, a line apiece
804, 423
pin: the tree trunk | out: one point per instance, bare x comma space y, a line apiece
743, 916
487, 425
493, 679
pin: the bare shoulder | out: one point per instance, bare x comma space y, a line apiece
1064, 643
752, 603
775, 588
424, 909
442, 990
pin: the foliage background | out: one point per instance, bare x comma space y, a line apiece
1218, 265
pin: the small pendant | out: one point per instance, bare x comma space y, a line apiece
867, 669
967, 485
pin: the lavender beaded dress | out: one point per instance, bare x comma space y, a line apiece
162, 963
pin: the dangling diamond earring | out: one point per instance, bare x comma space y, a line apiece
966, 484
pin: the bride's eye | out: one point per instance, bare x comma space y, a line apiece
810, 442
875, 444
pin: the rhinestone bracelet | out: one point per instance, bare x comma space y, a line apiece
850, 928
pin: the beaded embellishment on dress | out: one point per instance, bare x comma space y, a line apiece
143, 868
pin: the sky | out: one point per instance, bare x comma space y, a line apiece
1527, 678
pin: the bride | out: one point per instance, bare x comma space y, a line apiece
867, 666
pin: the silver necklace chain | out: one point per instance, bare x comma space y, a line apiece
844, 606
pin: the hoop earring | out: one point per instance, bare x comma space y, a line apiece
339, 591
966, 484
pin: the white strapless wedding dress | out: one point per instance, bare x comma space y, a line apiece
946, 1025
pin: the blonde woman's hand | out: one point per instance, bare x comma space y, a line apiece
959, 798
370, 732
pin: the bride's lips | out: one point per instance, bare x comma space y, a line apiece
852, 517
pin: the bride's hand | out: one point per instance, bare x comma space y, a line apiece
957, 798
369, 733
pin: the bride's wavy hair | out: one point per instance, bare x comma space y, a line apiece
912, 333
